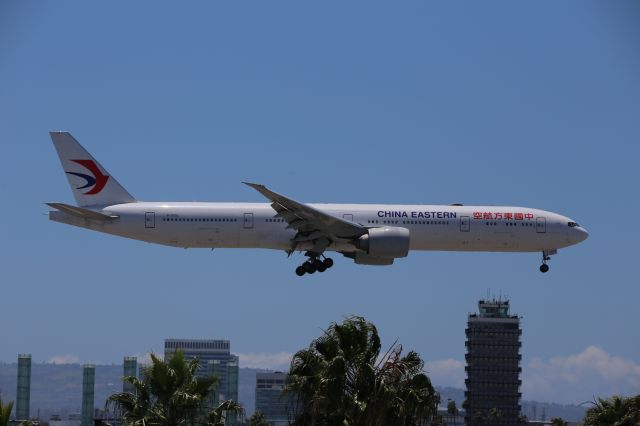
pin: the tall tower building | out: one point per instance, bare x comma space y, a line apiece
130, 369
88, 388
23, 393
216, 356
493, 366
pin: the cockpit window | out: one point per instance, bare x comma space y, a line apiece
572, 224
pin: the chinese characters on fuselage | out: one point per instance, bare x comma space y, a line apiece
502, 216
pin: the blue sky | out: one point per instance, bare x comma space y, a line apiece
534, 104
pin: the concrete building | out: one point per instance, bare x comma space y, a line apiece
270, 400
493, 366
23, 392
88, 394
215, 356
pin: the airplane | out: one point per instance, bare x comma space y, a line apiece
369, 234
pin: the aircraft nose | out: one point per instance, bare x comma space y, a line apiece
581, 234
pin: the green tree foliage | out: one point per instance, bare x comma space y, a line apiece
557, 421
343, 379
216, 417
257, 419
494, 414
479, 418
170, 394
452, 410
615, 411
5, 412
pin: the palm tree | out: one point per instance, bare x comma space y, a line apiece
343, 379
494, 414
478, 418
615, 411
257, 419
170, 394
452, 410
217, 416
5, 412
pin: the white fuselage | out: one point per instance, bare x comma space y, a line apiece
254, 225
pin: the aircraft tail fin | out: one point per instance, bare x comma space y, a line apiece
90, 183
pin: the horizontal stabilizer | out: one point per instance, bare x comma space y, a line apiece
82, 213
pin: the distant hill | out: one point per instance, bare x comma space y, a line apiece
57, 389
534, 410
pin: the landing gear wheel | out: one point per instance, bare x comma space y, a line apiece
546, 256
314, 264
309, 268
319, 265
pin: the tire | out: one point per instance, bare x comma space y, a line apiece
328, 262
300, 271
544, 268
308, 267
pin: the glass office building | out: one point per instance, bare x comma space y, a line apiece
215, 357
130, 369
88, 394
270, 400
23, 394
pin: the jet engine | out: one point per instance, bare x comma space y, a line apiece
387, 242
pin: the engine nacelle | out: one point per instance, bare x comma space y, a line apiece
386, 242
361, 258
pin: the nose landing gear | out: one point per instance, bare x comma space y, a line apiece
314, 264
546, 256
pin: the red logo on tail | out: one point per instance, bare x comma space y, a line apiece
97, 181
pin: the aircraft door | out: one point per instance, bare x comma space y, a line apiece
150, 220
465, 224
541, 225
248, 221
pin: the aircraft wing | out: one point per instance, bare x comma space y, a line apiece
311, 224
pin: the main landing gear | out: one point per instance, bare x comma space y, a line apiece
314, 264
546, 256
